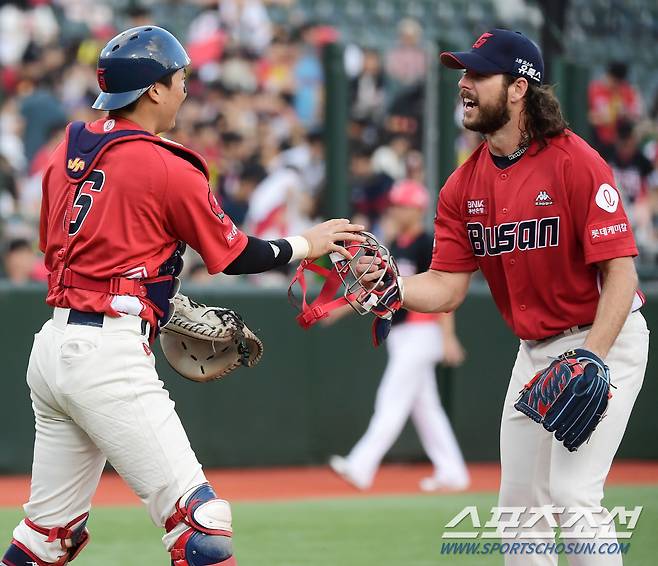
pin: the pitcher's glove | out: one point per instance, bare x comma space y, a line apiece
569, 397
205, 343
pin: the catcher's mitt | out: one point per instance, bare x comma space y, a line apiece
204, 343
569, 397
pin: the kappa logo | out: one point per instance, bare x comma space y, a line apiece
76, 164
543, 199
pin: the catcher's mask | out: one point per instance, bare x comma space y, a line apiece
380, 297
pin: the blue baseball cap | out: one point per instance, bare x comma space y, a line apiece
500, 51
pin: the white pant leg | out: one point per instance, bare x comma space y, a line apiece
577, 478
574, 478
66, 466
407, 357
435, 431
427, 413
525, 451
105, 380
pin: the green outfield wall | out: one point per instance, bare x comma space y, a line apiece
313, 392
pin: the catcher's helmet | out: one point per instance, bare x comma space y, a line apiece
382, 297
133, 61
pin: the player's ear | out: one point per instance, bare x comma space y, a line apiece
517, 90
155, 92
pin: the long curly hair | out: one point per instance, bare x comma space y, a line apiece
543, 115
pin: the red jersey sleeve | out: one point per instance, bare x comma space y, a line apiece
193, 215
597, 209
452, 248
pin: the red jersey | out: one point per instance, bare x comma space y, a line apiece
126, 217
536, 230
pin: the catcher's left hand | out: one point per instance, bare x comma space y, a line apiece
569, 397
205, 343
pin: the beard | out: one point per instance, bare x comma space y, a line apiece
490, 118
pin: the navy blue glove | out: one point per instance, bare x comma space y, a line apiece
569, 397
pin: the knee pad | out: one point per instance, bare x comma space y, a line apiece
207, 541
68, 542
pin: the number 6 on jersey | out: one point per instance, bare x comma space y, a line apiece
83, 201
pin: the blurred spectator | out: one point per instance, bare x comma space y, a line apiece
633, 174
405, 114
390, 158
8, 189
631, 168
237, 73
21, 263
30, 197
236, 204
280, 205
308, 79
308, 158
406, 62
247, 23
275, 69
369, 189
11, 135
414, 164
612, 99
367, 88
41, 110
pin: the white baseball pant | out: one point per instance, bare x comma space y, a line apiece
408, 386
96, 396
538, 470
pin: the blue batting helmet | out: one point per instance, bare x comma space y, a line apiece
133, 61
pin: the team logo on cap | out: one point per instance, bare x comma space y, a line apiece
100, 75
482, 40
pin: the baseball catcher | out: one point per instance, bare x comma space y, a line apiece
569, 397
205, 343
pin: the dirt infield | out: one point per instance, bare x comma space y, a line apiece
261, 484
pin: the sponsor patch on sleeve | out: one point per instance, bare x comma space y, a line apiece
607, 198
476, 207
231, 234
605, 231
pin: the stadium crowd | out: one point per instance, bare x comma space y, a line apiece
255, 112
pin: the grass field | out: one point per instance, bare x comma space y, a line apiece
373, 531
